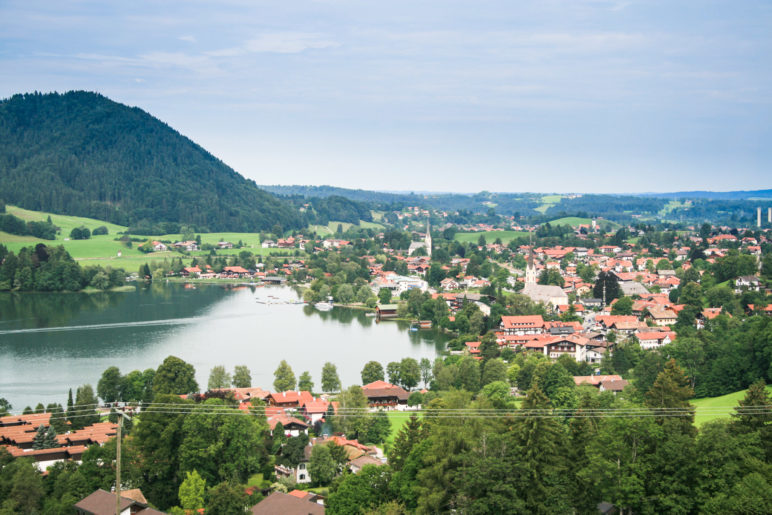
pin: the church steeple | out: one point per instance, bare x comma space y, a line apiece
530, 267
428, 240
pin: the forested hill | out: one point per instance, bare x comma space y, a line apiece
80, 153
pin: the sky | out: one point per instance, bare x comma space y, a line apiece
539, 96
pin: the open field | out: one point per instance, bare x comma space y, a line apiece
490, 236
547, 202
712, 408
573, 221
332, 227
397, 420
104, 250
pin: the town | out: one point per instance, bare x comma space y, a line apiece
567, 318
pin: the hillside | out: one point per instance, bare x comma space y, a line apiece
82, 154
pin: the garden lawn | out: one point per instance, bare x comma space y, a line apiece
397, 420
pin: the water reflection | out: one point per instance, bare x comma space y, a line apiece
52, 342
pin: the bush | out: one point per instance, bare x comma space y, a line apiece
99, 230
80, 233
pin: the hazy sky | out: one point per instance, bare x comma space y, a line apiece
581, 95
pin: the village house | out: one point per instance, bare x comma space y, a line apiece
653, 339
747, 283
525, 324
102, 502
383, 394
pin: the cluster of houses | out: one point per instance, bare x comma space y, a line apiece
583, 343
17, 435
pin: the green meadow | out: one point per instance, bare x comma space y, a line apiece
104, 250
490, 236
547, 201
713, 408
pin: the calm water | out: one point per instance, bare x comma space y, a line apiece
52, 342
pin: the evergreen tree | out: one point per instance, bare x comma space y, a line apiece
543, 444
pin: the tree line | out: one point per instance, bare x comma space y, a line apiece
47, 268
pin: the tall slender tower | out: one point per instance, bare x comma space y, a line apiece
769, 215
428, 240
530, 267
758, 217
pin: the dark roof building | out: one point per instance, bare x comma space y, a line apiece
286, 504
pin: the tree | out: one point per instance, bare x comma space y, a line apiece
110, 386
384, 296
671, 390
5, 407
352, 419
321, 467
175, 376
392, 369
494, 370
191, 492
623, 306
84, 411
330, 379
426, 371
242, 378
305, 383
227, 499
543, 441
227, 446
219, 378
551, 276
372, 371
157, 439
754, 412
409, 373
284, 377
612, 290
362, 492
408, 437
468, 376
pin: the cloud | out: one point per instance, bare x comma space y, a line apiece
288, 42
189, 39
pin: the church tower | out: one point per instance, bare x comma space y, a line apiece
530, 268
428, 240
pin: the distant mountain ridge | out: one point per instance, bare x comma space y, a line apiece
715, 195
80, 153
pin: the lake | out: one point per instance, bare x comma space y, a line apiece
52, 342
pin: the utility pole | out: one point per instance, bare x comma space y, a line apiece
118, 461
118, 469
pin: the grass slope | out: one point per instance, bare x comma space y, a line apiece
490, 236
547, 202
713, 408
573, 221
104, 250
332, 227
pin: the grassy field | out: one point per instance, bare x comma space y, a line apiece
490, 236
673, 205
547, 202
397, 419
573, 221
712, 408
332, 227
104, 250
